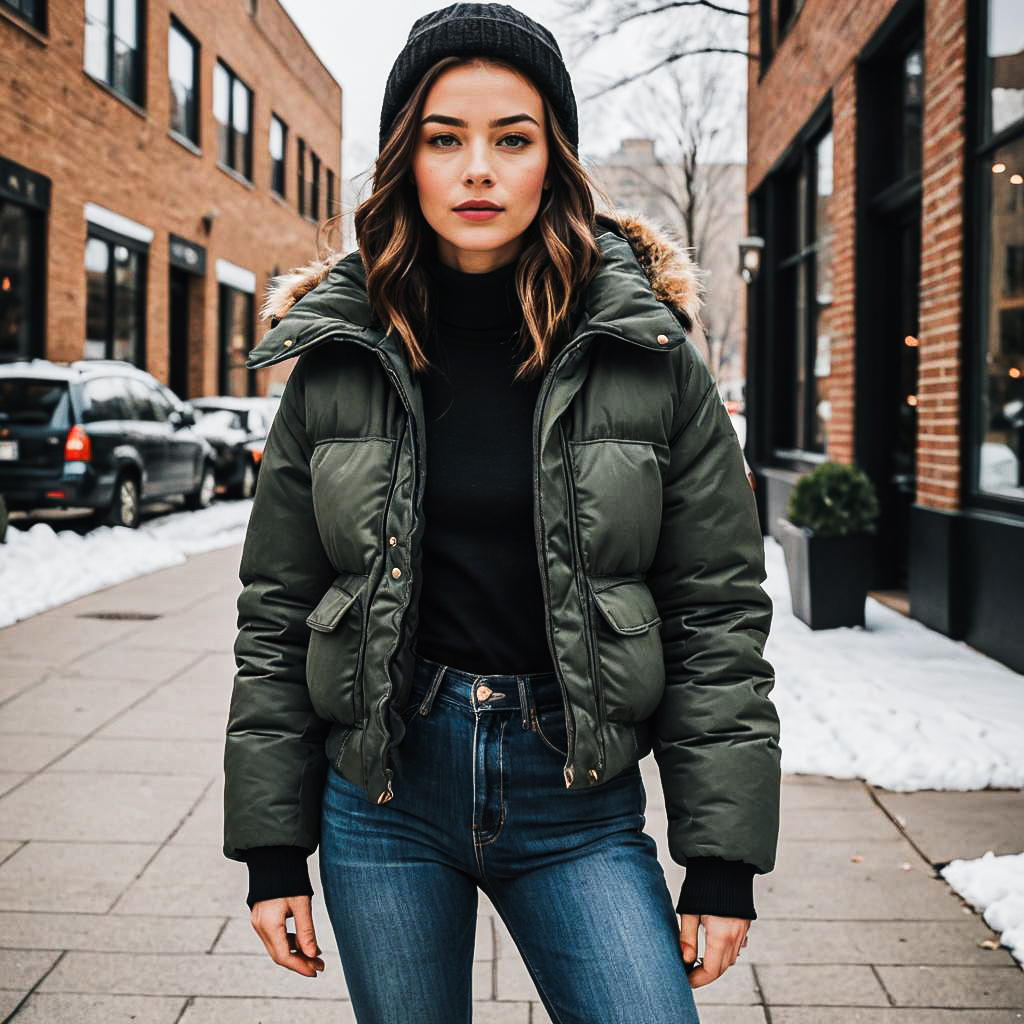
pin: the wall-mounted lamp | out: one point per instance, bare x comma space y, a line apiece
750, 257
208, 218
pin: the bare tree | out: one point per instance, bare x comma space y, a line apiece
586, 23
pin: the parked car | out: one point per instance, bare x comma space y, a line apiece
97, 434
237, 428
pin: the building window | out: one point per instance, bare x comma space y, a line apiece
21, 248
999, 176
236, 341
32, 11
183, 71
776, 17
114, 299
232, 108
805, 274
113, 45
332, 201
314, 186
300, 180
278, 144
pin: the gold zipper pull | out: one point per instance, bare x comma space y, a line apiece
387, 795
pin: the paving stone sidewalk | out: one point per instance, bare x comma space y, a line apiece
116, 903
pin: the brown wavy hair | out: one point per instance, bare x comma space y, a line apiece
557, 261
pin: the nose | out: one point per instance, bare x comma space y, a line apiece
478, 169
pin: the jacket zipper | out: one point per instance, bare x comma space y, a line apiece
581, 586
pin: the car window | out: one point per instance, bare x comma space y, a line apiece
32, 402
140, 398
104, 399
257, 425
161, 404
221, 419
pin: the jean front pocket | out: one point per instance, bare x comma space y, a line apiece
550, 725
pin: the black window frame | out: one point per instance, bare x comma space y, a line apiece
300, 171
234, 78
981, 146
314, 186
141, 249
792, 257
773, 29
177, 26
36, 17
137, 93
279, 168
331, 203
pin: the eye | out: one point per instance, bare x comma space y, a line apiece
517, 138
435, 139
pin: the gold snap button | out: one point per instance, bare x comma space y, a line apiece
287, 342
662, 339
392, 541
593, 773
396, 572
483, 692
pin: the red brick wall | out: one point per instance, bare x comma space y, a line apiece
942, 183
818, 54
96, 147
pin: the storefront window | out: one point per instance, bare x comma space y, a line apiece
236, 336
114, 282
21, 239
1000, 172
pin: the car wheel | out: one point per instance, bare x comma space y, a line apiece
123, 509
247, 486
202, 496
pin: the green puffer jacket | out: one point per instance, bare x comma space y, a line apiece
649, 550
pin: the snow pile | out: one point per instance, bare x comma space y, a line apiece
995, 886
893, 703
41, 568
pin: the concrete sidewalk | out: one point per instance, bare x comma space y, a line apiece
116, 903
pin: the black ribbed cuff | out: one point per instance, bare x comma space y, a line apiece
723, 888
275, 872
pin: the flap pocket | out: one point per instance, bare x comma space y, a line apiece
337, 601
626, 604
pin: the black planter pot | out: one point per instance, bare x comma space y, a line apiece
828, 576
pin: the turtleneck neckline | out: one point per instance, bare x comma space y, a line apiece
485, 301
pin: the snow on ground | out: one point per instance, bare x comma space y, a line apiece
894, 702
995, 886
41, 568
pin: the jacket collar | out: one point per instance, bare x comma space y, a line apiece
646, 285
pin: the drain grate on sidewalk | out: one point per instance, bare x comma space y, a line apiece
120, 615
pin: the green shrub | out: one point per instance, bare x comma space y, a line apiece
833, 500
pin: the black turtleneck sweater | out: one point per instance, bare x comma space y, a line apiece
481, 607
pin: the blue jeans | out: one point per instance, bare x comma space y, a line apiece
480, 802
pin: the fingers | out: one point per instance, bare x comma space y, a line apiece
268, 921
723, 937
688, 936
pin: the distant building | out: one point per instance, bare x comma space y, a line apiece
886, 325
639, 180
158, 163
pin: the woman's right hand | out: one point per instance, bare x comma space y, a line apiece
298, 952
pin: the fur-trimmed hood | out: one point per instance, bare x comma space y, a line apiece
674, 277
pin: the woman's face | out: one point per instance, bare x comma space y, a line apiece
481, 137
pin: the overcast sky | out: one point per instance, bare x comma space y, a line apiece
358, 42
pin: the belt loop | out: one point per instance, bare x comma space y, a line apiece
428, 700
524, 702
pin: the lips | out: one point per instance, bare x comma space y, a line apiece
478, 204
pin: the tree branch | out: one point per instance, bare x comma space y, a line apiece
670, 59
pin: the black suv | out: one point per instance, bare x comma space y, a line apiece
99, 434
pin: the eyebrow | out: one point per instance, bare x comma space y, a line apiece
457, 122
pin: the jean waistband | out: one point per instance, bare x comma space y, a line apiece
482, 692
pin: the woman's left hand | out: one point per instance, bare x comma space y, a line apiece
723, 939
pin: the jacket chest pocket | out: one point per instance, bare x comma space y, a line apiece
337, 645
627, 640
617, 490
350, 479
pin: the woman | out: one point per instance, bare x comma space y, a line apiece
502, 547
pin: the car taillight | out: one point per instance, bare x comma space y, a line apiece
257, 454
78, 447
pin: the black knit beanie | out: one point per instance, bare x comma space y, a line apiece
481, 30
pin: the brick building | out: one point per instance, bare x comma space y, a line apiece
886, 323
159, 161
